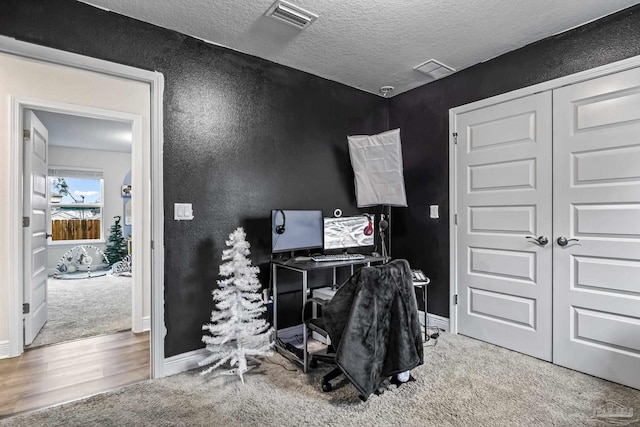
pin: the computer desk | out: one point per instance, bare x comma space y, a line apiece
304, 267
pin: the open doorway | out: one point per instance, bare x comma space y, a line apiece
88, 222
36, 77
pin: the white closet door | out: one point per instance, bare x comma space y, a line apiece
503, 198
597, 201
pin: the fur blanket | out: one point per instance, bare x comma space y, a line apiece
373, 324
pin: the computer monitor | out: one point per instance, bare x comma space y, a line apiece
293, 230
349, 232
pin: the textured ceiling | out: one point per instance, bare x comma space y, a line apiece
371, 43
83, 132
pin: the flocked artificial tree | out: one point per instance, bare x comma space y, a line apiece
238, 330
116, 246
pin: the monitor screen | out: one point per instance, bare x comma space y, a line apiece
349, 232
293, 230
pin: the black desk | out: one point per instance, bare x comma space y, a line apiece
304, 267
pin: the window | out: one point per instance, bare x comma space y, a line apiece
75, 205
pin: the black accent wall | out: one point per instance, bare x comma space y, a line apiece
422, 114
242, 136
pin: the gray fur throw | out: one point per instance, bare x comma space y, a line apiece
373, 324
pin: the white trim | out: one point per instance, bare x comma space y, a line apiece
441, 322
184, 362
139, 159
593, 73
16, 296
146, 323
4, 349
453, 210
156, 83
434, 320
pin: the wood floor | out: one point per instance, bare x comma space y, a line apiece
59, 373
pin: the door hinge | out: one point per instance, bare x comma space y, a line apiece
152, 245
455, 299
26, 221
455, 219
26, 134
26, 308
455, 138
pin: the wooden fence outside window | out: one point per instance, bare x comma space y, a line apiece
75, 229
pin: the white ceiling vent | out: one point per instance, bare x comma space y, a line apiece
434, 69
291, 14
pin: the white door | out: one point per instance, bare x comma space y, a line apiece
597, 201
504, 205
35, 230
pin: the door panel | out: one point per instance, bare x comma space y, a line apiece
597, 201
35, 237
503, 196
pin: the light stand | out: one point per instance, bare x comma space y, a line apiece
384, 225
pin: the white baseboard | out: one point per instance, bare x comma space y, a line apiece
4, 349
146, 323
183, 362
435, 320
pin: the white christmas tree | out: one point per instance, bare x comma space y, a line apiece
238, 331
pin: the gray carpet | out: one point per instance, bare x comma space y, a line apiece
82, 308
464, 382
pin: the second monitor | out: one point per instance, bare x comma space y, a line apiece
349, 232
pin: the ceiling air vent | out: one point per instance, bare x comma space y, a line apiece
434, 69
291, 14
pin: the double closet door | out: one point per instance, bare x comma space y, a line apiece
548, 225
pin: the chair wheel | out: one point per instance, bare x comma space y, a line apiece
326, 387
313, 363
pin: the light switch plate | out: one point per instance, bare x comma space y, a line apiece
182, 211
433, 211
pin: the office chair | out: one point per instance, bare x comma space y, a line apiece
373, 324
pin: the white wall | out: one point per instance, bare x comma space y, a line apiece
114, 166
33, 80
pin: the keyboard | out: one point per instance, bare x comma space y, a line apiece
336, 257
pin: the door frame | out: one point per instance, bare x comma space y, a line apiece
151, 158
18, 106
593, 73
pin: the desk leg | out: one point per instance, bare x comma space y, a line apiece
426, 322
274, 274
305, 358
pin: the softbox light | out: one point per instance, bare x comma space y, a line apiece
377, 165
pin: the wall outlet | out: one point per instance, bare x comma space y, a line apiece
433, 211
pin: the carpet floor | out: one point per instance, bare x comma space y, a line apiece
464, 382
81, 308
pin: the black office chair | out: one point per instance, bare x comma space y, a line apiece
373, 324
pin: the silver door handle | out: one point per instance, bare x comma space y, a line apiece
563, 241
541, 240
